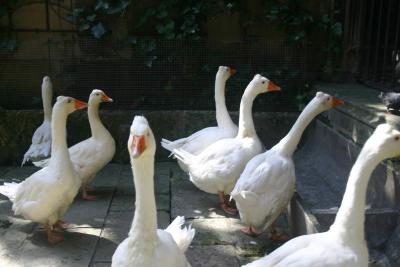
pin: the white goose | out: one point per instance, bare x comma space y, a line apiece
198, 141
267, 184
92, 154
344, 244
45, 196
145, 245
217, 168
41, 139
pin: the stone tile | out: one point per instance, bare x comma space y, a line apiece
212, 256
123, 203
76, 250
84, 213
116, 230
108, 177
226, 231
246, 260
13, 232
101, 264
127, 203
4, 169
163, 202
189, 201
162, 183
126, 187
18, 173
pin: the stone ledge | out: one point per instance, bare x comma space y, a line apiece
361, 103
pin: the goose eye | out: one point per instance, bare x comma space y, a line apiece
328, 99
97, 94
263, 82
148, 134
69, 100
397, 138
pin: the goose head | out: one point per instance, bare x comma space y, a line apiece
47, 86
384, 142
97, 96
326, 101
225, 73
260, 85
68, 104
141, 142
46, 82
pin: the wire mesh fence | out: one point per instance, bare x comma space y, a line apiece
155, 74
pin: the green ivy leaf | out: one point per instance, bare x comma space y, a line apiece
337, 29
98, 30
91, 18
102, 4
75, 15
162, 14
119, 7
83, 27
143, 18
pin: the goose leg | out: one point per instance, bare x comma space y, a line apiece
275, 236
60, 224
89, 189
85, 194
251, 231
52, 236
225, 205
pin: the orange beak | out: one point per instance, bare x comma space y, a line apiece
80, 104
336, 102
272, 87
138, 145
232, 71
106, 98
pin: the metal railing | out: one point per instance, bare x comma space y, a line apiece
372, 36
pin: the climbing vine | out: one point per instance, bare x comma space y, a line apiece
300, 24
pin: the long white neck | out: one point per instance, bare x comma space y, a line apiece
47, 97
96, 126
289, 143
59, 147
246, 125
144, 225
222, 114
349, 222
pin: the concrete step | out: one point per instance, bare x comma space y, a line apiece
323, 161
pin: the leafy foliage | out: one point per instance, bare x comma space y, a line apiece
7, 41
300, 23
92, 18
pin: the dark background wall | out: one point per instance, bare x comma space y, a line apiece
15, 138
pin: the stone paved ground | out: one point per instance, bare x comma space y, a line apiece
97, 227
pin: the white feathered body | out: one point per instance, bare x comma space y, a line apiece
92, 155
197, 142
265, 188
45, 195
218, 168
89, 156
322, 249
41, 143
162, 252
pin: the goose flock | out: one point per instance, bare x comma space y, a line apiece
227, 160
